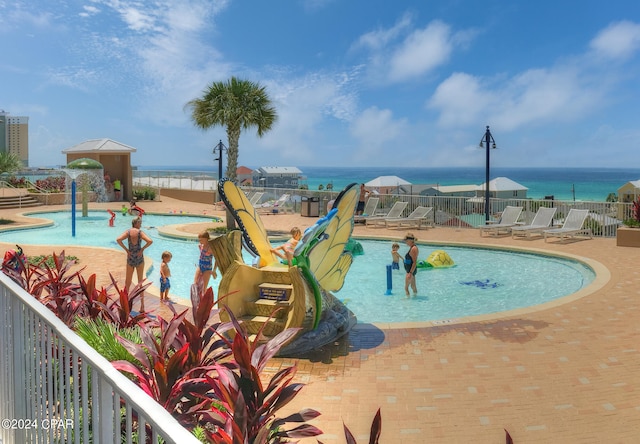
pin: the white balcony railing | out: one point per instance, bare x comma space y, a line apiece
55, 388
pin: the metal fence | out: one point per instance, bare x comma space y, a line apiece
55, 388
465, 212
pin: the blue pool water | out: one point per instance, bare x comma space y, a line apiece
482, 281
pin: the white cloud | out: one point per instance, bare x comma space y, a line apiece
421, 51
618, 41
402, 53
375, 131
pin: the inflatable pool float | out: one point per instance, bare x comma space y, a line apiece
437, 259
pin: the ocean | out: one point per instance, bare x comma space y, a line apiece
587, 184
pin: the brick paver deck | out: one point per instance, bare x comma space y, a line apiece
564, 372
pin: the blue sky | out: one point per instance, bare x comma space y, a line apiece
358, 82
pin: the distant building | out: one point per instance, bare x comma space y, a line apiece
276, 177
244, 175
446, 190
629, 191
14, 136
502, 188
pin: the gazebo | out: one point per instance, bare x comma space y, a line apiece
114, 156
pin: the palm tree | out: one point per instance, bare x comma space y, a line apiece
238, 105
9, 163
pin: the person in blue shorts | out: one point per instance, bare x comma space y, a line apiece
395, 256
165, 275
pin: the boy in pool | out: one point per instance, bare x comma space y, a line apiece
124, 210
288, 247
395, 256
165, 274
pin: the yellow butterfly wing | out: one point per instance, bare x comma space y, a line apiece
248, 219
328, 260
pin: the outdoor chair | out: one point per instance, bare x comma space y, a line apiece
508, 219
573, 226
395, 212
369, 210
417, 218
541, 221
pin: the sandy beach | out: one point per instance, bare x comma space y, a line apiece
563, 372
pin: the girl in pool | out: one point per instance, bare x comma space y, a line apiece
411, 264
135, 253
206, 268
165, 274
288, 247
395, 256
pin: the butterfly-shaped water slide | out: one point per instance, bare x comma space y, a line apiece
320, 254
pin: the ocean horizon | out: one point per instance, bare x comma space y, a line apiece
585, 183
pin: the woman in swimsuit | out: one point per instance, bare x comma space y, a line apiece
411, 264
135, 252
206, 268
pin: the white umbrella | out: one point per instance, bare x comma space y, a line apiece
387, 182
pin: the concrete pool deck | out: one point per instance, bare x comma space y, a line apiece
566, 372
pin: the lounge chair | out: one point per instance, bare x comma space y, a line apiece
509, 218
572, 226
541, 221
282, 205
395, 212
369, 210
417, 218
255, 199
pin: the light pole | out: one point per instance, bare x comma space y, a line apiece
488, 143
219, 148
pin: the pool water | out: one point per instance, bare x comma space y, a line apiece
483, 280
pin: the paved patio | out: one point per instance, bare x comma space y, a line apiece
564, 372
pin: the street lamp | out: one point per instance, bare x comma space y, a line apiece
488, 143
219, 148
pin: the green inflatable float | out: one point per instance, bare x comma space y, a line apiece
437, 259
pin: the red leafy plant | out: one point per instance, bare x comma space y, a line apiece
376, 428
245, 411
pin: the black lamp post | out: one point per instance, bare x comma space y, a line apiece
488, 143
219, 148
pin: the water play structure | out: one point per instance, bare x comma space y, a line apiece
269, 296
90, 174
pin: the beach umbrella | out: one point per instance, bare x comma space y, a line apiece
387, 182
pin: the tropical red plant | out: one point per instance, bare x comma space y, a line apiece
163, 365
374, 436
246, 412
120, 310
635, 209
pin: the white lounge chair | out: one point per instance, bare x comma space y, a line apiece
417, 218
255, 199
281, 205
572, 226
369, 210
395, 211
508, 219
541, 221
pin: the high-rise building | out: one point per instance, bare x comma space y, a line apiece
14, 136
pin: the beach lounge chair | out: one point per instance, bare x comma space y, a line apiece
255, 199
281, 205
541, 221
418, 217
572, 226
395, 212
369, 210
508, 219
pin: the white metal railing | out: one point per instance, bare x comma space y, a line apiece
55, 388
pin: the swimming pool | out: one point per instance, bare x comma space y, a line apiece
483, 281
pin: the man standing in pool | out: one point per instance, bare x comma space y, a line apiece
135, 253
411, 264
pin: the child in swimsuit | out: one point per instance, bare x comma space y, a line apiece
289, 246
206, 268
395, 256
165, 274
